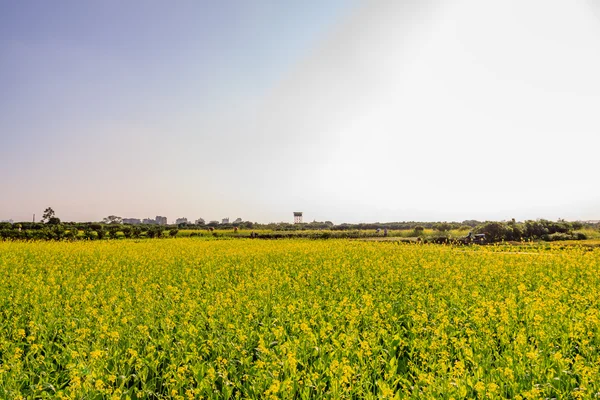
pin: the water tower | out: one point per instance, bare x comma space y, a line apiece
297, 217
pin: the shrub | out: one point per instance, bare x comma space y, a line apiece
580, 236
558, 236
495, 231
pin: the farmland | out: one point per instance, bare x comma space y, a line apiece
207, 318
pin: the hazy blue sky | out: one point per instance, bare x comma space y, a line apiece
347, 110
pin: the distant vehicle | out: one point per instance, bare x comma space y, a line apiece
478, 238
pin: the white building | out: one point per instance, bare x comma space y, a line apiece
161, 220
132, 221
181, 221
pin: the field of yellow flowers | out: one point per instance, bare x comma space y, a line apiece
194, 318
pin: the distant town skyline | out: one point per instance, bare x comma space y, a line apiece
163, 220
351, 110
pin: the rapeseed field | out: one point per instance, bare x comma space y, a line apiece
195, 318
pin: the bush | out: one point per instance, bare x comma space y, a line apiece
72, 234
113, 232
440, 238
564, 236
535, 229
495, 231
557, 236
441, 227
580, 236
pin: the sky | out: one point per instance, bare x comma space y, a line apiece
347, 110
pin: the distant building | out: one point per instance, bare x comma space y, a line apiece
200, 221
161, 220
225, 220
297, 217
10, 221
148, 221
181, 221
132, 221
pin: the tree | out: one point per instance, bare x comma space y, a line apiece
516, 232
48, 214
442, 227
71, 233
535, 229
54, 221
136, 232
112, 219
173, 232
155, 232
495, 231
127, 232
99, 229
577, 225
113, 232
58, 230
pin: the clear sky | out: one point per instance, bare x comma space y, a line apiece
347, 110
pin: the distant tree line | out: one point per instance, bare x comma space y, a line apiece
532, 230
112, 227
79, 231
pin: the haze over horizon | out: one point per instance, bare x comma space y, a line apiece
348, 110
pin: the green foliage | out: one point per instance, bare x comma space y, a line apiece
439, 238
565, 236
418, 230
155, 232
136, 232
127, 232
53, 221
100, 231
495, 231
442, 227
445, 231
113, 232
48, 213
